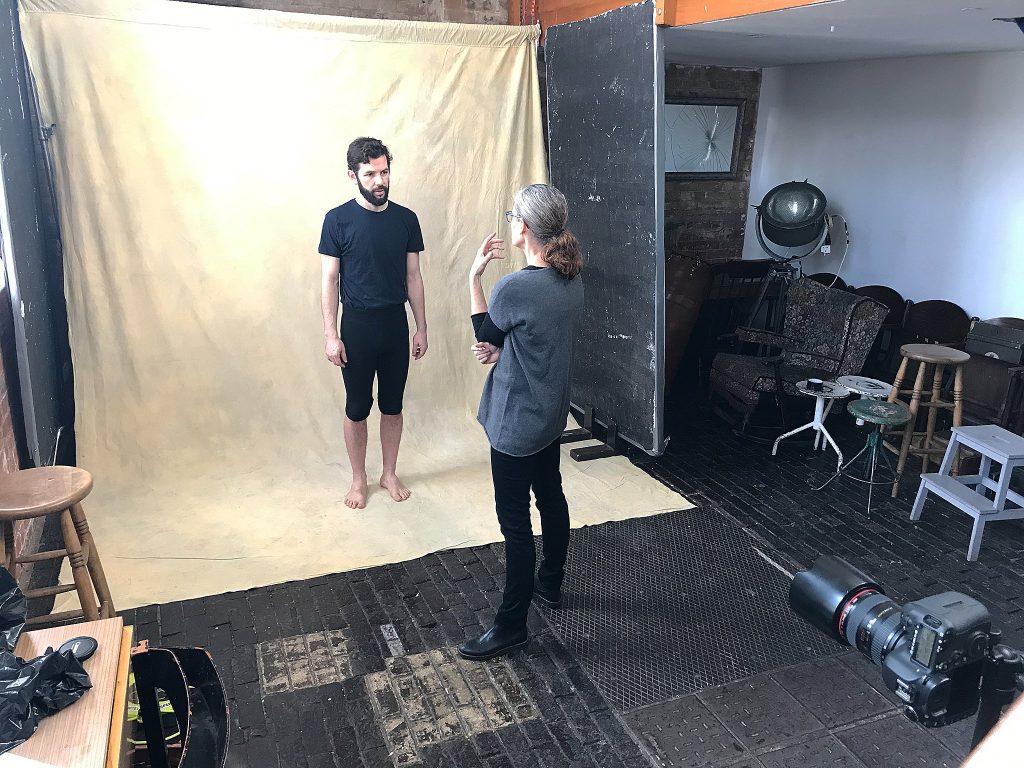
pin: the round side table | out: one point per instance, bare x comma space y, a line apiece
881, 414
830, 391
867, 388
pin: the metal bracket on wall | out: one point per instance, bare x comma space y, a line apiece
591, 452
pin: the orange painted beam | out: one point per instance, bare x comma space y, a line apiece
677, 13
553, 12
673, 13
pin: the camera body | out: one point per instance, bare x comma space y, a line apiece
932, 652
935, 664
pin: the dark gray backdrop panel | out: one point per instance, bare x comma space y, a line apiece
605, 80
22, 244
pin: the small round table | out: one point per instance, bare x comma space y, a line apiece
867, 388
881, 414
830, 390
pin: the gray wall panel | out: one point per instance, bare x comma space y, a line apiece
22, 247
605, 78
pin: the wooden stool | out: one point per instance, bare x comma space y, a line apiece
939, 357
33, 493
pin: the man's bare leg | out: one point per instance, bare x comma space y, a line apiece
390, 439
355, 442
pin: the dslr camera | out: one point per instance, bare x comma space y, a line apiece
933, 652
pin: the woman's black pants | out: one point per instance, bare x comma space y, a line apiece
514, 477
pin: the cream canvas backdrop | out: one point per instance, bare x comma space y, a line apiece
196, 150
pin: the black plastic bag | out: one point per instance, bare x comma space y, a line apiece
30, 690
13, 609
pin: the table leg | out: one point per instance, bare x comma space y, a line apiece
834, 446
792, 432
871, 480
824, 415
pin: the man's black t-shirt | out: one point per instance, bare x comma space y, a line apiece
372, 247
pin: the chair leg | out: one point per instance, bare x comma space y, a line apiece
94, 564
984, 471
908, 434
1005, 471
933, 414
8, 552
951, 451
83, 583
894, 393
978, 531
958, 408
922, 494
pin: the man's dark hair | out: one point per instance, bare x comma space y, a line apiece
363, 150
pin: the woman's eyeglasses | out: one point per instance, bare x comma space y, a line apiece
509, 215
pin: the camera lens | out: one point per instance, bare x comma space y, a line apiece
819, 595
843, 602
872, 622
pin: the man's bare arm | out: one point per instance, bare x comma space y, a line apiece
414, 285
330, 271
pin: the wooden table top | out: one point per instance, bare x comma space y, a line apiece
75, 737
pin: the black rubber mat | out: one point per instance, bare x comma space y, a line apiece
663, 606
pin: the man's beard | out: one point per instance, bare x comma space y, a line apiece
370, 197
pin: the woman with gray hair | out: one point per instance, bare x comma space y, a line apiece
527, 334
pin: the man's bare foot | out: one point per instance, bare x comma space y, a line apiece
393, 485
356, 498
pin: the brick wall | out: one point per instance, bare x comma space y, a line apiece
461, 11
707, 218
8, 445
25, 532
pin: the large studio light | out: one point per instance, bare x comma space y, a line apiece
792, 215
792, 223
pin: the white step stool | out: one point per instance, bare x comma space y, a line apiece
965, 492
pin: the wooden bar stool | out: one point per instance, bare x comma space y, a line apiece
939, 357
32, 493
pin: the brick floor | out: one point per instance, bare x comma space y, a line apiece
772, 498
358, 669
313, 679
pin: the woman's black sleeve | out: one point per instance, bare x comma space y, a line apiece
486, 330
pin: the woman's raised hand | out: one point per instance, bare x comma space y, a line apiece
490, 248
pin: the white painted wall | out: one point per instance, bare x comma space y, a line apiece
924, 157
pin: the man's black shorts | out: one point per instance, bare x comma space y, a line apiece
376, 344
